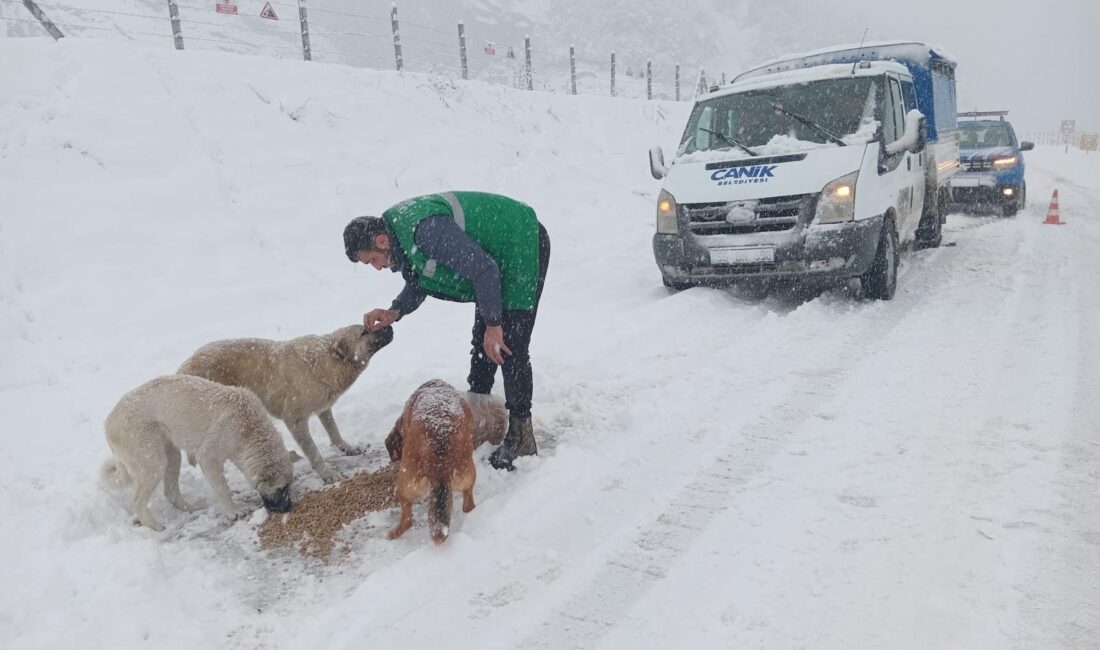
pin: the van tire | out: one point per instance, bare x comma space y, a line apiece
881, 280
677, 285
930, 230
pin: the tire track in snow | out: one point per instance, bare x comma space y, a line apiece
731, 467
1061, 601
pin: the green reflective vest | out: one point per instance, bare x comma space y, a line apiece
504, 228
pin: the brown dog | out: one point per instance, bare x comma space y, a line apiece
433, 441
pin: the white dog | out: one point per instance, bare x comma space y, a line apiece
295, 379
215, 423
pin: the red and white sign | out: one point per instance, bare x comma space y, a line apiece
226, 8
490, 50
268, 12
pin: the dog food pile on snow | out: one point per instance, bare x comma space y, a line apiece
318, 517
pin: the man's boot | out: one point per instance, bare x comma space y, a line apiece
519, 441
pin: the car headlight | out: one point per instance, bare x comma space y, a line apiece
1005, 163
666, 214
837, 203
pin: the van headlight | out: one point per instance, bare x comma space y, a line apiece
666, 214
837, 203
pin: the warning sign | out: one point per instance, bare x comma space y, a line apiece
1090, 141
226, 8
490, 50
268, 12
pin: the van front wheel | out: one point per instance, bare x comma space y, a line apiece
677, 285
881, 280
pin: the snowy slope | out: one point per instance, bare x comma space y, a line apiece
720, 37
798, 471
357, 33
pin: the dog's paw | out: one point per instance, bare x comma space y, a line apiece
350, 450
239, 513
187, 506
329, 476
148, 522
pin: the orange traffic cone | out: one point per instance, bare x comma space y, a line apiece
1052, 213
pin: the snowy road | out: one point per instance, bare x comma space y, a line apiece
805, 470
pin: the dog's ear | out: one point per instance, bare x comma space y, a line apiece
395, 442
341, 348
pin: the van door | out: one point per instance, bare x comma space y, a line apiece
919, 160
898, 170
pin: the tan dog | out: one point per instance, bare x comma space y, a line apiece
153, 422
295, 379
433, 441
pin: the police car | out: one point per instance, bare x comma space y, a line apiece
992, 162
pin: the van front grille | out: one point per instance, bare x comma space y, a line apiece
772, 214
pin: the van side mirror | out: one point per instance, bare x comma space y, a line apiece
913, 140
657, 163
1027, 146
922, 136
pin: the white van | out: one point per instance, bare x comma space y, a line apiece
804, 170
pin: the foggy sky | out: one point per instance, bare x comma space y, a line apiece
1036, 59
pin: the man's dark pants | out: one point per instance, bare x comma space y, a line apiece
518, 325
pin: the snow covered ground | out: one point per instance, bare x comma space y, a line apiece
801, 471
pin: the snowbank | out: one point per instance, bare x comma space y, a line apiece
804, 470
154, 201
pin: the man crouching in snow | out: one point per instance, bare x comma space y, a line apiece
468, 247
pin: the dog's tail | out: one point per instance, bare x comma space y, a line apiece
439, 512
114, 473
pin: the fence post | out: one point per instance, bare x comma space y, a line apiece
649, 79
701, 89
174, 16
527, 62
572, 70
612, 74
462, 49
52, 28
303, 21
677, 82
396, 38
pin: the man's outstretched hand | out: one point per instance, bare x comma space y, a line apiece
493, 344
376, 319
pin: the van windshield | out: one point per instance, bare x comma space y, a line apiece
842, 106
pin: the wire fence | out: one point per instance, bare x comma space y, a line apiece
1083, 140
295, 29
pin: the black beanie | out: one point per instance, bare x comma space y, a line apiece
359, 235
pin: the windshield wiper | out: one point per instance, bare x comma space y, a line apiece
730, 141
829, 135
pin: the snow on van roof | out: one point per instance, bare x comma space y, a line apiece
918, 49
816, 73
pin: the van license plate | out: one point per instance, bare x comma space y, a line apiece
743, 255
